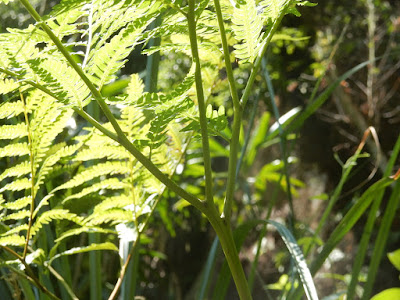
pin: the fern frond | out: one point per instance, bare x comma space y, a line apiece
105, 61
11, 132
54, 214
11, 109
107, 168
15, 51
113, 202
17, 216
109, 152
135, 89
83, 229
113, 216
110, 184
43, 202
62, 80
16, 230
47, 122
51, 160
16, 171
247, 27
12, 240
17, 185
18, 204
272, 9
92, 247
6, 86
11, 150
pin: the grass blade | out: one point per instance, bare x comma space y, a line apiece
364, 243
381, 240
206, 276
349, 220
239, 236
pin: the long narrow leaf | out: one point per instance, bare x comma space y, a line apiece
242, 232
381, 240
364, 243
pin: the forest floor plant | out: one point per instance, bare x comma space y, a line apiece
107, 178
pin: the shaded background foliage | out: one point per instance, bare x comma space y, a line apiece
178, 242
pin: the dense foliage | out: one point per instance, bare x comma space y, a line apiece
102, 162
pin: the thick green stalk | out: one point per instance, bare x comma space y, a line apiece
225, 236
233, 161
201, 102
228, 65
237, 118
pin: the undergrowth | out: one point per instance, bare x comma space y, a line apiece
67, 191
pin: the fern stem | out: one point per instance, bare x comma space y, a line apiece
224, 233
120, 136
30, 275
228, 65
257, 64
201, 101
63, 282
89, 41
237, 118
28, 233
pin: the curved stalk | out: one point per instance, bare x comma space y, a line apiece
201, 102
28, 233
237, 118
225, 236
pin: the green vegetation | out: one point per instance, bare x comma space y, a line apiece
103, 161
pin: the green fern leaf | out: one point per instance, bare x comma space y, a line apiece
83, 229
110, 184
54, 214
113, 216
7, 86
43, 202
18, 204
50, 161
10, 109
18, 149
108, 59
12, 240
113, 202
10, 132
247, 26
17, 185
17, 216
16, 230
92, 247
62, 80
107, 168
109, 152
135, 88
16, 171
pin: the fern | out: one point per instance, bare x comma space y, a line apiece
248, 21
96, 182
247, 26
18, 149
12, 240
